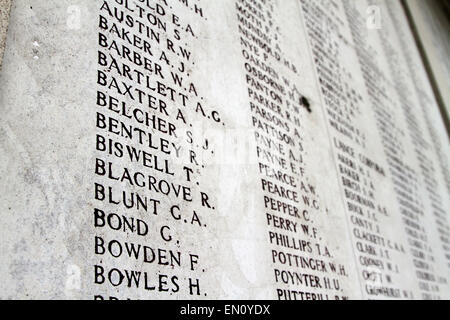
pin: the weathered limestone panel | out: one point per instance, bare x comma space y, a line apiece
5, 6
433, 28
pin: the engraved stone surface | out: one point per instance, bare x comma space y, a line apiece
246, 149
433, 27
5, 6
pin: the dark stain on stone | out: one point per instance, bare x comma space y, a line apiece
305, 102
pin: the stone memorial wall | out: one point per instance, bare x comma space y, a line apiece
232, 149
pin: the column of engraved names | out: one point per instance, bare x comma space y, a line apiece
304, 268
414, 204
393, 137
344, 106
430, 171
149, 209
430, 147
